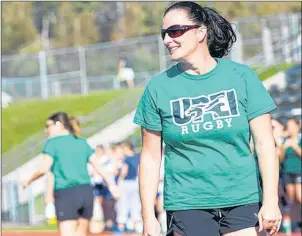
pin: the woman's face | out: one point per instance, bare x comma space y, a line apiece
292, 127
52, 129
183, 46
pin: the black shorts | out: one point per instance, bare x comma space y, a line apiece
123, 84
292, 178
212, 222
74, 203
98, 190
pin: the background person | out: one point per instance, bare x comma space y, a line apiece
105, 198
125, 74
49, 199
290, 155
128, 205
67, 156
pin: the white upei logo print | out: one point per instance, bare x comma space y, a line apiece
188, 111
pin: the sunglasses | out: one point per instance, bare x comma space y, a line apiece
175, 31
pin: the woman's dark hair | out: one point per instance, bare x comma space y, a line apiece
100, 146
72, 124
128, 145
220, 36
294, 119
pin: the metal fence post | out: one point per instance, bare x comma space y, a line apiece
13, 200
237, 50
31, 206
43, 75
296, 25
285, 41
267, 43
83, 70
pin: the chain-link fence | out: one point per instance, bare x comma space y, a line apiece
80, 70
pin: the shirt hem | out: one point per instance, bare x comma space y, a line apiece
291, 172
143, 124
71, 186
210, 206
262, 111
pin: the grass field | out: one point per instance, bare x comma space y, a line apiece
274, 70
24, 118
53, 233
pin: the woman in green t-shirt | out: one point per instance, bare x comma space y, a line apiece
50, 212
67, 156
290, 154
205, 108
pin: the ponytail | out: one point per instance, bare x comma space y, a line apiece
74, 124
220, 35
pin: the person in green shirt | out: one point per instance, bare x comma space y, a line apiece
49, 198
67, 156
205, 109
291, 154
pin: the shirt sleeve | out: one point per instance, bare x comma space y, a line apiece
49, 148
259, 101
126, 161
89, 150
147, 113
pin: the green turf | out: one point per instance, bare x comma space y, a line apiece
135, 138
40, 204
274, 70
42, 227
23, 118
91, 124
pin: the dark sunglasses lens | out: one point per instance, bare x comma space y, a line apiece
176, 33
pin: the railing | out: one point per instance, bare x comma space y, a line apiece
84, 69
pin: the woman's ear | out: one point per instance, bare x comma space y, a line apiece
201, 33
58, 124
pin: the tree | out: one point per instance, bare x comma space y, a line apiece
86, 35
139, 18
75, 26
17, 26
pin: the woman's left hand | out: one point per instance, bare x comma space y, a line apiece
24, 183
270, 218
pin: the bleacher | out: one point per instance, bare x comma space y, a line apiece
288, 98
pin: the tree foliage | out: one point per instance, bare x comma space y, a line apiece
75, 25
81, 23
17, 26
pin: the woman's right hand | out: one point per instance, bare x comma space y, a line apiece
151, 227
24, 183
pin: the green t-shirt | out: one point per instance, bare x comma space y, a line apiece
204, 120
70, 157
292, 161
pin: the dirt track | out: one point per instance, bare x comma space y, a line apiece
45, 233
35, 233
